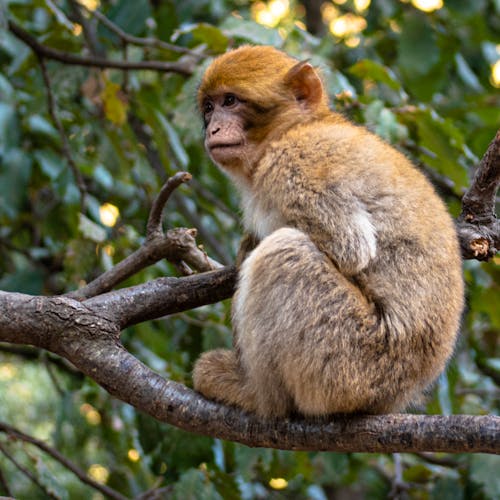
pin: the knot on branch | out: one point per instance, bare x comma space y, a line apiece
478, 228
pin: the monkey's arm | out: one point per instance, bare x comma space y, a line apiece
248, 242
336, 221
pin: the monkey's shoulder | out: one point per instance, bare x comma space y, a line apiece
336, 151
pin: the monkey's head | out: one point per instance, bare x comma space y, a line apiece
250, 96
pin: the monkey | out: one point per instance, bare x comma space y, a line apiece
350, 290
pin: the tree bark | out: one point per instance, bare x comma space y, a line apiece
87, 334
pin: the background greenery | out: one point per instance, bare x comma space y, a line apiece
425, 81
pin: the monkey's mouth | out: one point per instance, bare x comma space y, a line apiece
224, 145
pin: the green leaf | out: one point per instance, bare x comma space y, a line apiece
103, 176
52, 165
194, 485
250, 31
37, 124
173, 139
205, 33
466, 74
9, 126
114, 103
484, 471
419, 57
247, 459
367, 69
418, 51
130, 15
443, 146
91, 230
447, 488
6, 89
418, 473
27, 280
384, 122
15, 173
49, 481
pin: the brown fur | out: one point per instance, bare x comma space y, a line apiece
352, 299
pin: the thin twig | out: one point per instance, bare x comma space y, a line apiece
50, 371
154, 160
398, 484
4, 484
181, 67
134, 40
65, 148
154, 226
435, 460
25, 471
177, 245
56, 455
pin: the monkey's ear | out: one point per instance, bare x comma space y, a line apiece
305, 83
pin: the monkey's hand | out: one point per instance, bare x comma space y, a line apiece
247, 244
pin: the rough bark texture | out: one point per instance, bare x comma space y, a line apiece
478, 227
87, 334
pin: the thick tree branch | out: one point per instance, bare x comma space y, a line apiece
157, 298
184, 67
87, 334
478, 226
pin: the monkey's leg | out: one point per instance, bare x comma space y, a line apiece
217, 375
306, 332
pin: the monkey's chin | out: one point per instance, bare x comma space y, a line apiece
227, 156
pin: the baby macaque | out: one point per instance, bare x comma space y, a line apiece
350, 301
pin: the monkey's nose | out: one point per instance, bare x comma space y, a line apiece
214, 130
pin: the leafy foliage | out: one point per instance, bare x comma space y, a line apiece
421, 80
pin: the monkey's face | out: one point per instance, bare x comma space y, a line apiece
248, 97
226, 131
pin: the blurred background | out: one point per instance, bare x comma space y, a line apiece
83, 151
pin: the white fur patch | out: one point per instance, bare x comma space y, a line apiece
259, 220
367, 234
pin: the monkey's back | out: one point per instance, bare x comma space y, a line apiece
412, 279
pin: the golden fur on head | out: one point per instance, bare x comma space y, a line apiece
267, 65
268, 68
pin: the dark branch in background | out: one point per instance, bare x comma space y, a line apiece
181, 67
3, 485
314, 17
134, 40
478, 226
16, 434
25, 471
65, 148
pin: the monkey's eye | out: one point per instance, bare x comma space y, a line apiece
208, 107
230, 100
